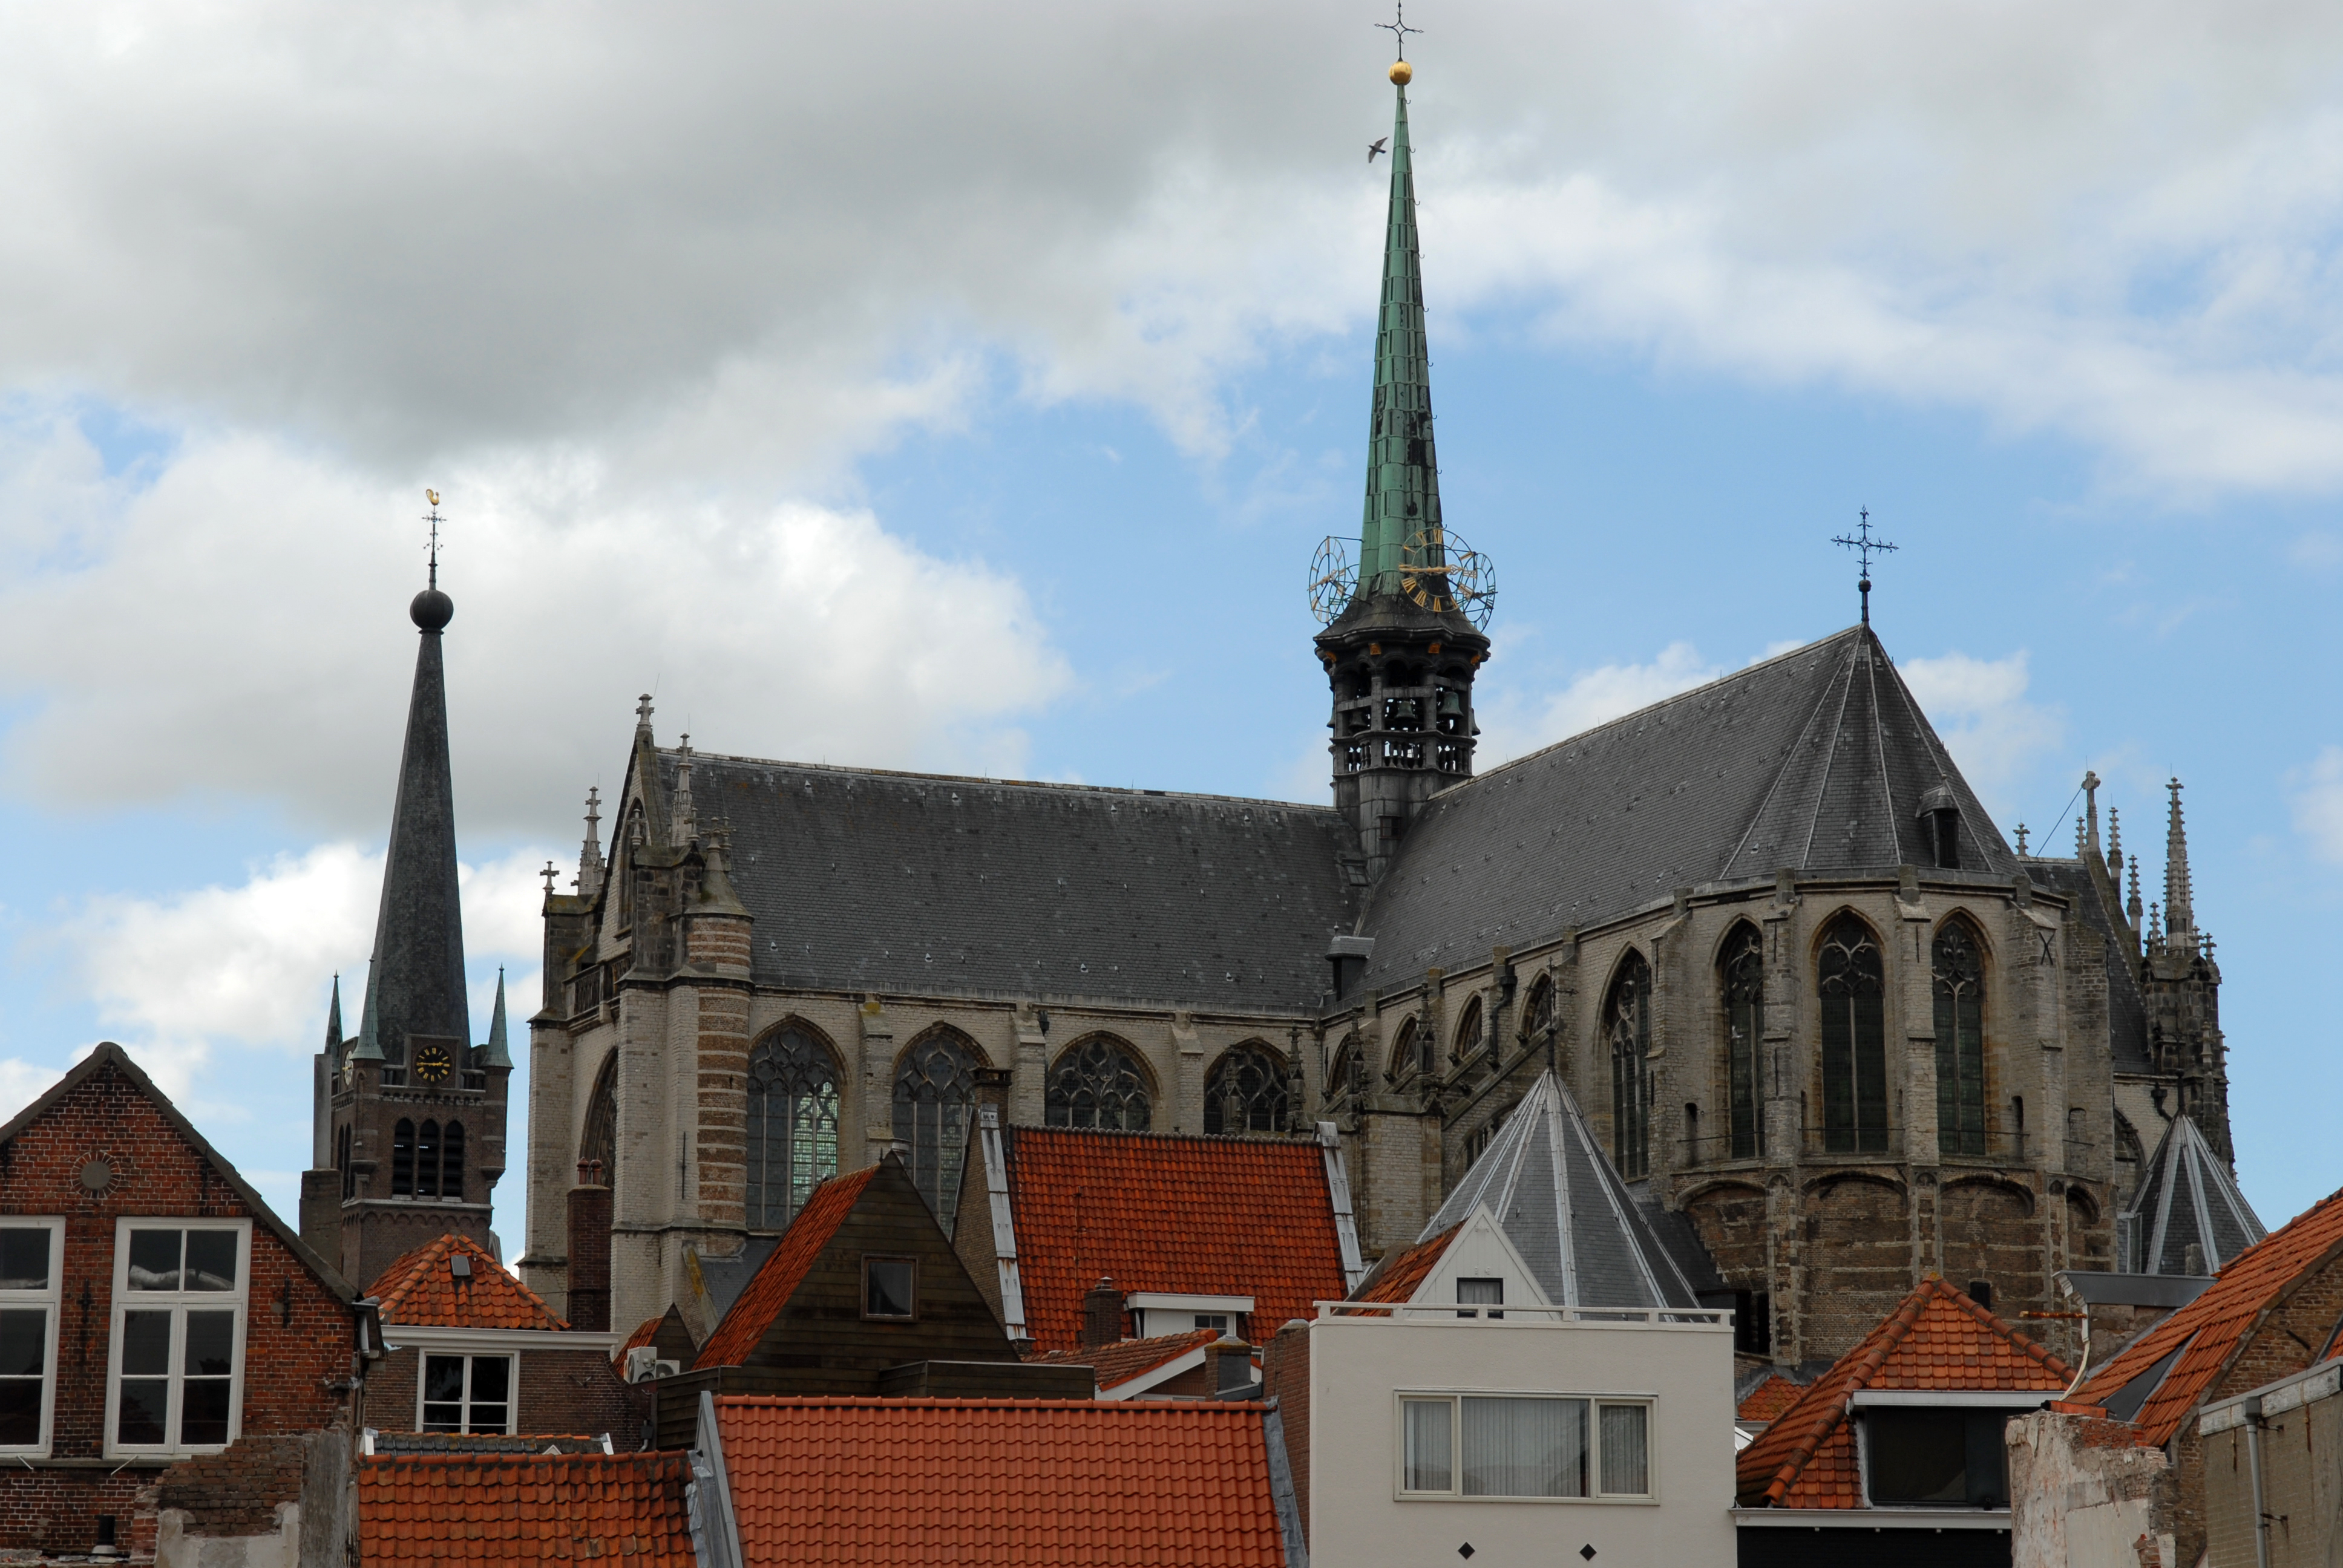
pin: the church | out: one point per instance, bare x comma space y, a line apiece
1831, 1031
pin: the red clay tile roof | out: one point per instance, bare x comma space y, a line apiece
784, 1270
1938, 1338
2214, 1326
1118, 1363
1397, 1279
441, 1509
1769, 1398
419, 1289
979, 1482
1166, 1211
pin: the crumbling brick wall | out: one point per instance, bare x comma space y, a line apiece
2085, 1493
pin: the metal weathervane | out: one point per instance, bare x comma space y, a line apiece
1399, 29
1865, 545
434, 518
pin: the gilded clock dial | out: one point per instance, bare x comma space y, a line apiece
433, 1064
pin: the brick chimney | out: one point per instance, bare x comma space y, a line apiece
1101, 1315
1228, 1370
590, 1249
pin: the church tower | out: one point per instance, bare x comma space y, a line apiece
1403, 636
410, 1115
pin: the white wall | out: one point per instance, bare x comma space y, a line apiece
1358, 1366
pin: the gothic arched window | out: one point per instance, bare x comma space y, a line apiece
1538, 1016
451, 1161
342, 1164
1098, 1082
1958, 980
935, 1087
1742, 977
1469, 1029
597, 1144
792, 1125
1407, 1057
1347, 1080
1246, 1091
1853, 991
402, 1159
1628, 1027
427, 1160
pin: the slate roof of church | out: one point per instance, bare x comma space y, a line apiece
1565, 1209
928, 883
1818, 760
2186, 1194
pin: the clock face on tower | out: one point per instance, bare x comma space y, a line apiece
433, 1064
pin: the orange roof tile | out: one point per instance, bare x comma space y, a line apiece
1938, 1339
1769, 1398
1118, 1363
784, 1270
2209, 1331
1397, 1279
640, 1340
420, 1289
1173, 1213
440, 1509
979, 1482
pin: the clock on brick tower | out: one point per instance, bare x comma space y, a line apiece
409, 1116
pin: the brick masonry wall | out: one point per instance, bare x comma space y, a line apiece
235, 1491
1285, 1378
299, 1337
561, 1391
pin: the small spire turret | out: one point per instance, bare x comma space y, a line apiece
685, 825
334, 1021
2179, 897
2131, 907
370, 1046
2115, 844
497, 1052
590, 854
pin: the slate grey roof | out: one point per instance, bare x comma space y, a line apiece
1565, 1209
2126, 1006
2185, 1196
911, 883
1818, 760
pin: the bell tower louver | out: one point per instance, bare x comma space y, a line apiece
1403, 638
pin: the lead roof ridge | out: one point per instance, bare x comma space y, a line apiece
700, 757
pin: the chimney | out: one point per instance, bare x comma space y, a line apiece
1228, 1370
1101, 1315
589, 1250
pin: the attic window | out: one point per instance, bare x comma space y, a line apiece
1474, 1296
890, 1289
1940, 816
1950, 1457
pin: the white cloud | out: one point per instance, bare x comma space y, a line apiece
21, 1082
1514, 724
1979, 711
2316, 794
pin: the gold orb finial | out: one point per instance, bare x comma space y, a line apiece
1402, 73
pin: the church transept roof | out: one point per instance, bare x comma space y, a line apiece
2186, 1198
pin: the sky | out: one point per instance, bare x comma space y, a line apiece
966, 389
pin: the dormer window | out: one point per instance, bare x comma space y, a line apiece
1937, 1456
1940, 821
1476, 1298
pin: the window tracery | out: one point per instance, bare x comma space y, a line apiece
1098, 1082
1538, 1016
1958, 981
597, 1143
1247, 1091
793, 1114
1853, 991
935, 1087
1743, 967
1627, 1026
1469, 1030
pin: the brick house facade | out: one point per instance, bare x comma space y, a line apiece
266, 1344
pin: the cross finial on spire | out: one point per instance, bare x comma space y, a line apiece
643, 711
548, 874
2021, 838
433, 518
1865, 545
1399, 29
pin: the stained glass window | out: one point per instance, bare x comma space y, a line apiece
1853, 991
934, 1090
792, 1124
1098, 1082
1743, 976
1959, 984
1627, 1025
1247, 1091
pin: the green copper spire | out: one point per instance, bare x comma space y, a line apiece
1403, 473
496, 1053
334, 1021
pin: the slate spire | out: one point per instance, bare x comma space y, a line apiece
1402, 472
334, 1021
416, 985
497, 1052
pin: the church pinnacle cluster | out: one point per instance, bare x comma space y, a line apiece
1754, 962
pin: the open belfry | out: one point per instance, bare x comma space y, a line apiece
1789, 979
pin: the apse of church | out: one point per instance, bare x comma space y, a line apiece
1832, 1032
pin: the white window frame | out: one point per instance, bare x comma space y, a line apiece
51, 1298
177, 1304
1596, 1496
423, 1355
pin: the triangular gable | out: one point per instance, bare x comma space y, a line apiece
421, 1289
108, 1057
1479, 1249
2209, 1331
667, 1334
754, 1312
1938, 1337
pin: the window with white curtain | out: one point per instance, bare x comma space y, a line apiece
1525, 1446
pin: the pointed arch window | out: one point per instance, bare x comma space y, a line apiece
402, 1159
451, 1161
1958, 980
1627, 1026
935, 1087
1346, 1081
1538, 1016
597, 1144
1247, 1091
792, 1125
1099, 1082
1469, 1029
1407, 1052
1743, 974
1852, 990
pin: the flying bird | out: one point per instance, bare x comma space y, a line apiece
1376, 148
